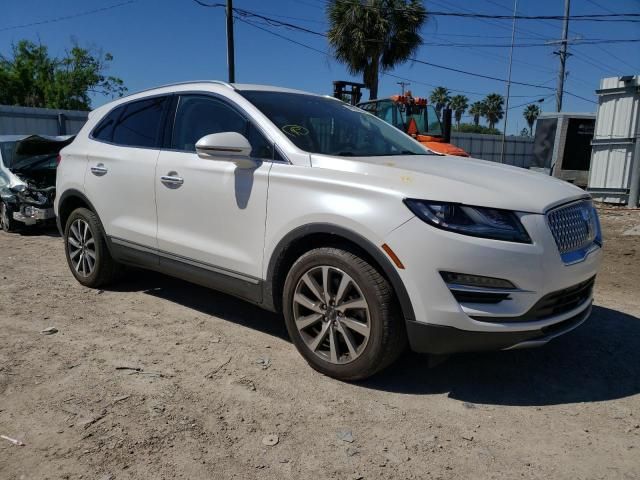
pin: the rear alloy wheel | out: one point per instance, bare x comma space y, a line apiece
86, 250
341, 314
82, 248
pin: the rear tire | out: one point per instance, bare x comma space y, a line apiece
86, 250
342, 315
7, 223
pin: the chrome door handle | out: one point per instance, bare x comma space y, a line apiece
99, 170
172, 180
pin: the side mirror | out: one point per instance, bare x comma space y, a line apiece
230, 146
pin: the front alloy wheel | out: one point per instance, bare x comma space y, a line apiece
341, 314
7, 223
331, 314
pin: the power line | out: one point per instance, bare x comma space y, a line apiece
489, 77
417, 61
525, 45
68, 17
243, 14
594, 17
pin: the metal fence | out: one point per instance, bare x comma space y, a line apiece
518, 150
42, 121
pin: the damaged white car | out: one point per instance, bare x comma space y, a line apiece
28, 166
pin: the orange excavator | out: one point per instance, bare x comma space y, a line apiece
412, 115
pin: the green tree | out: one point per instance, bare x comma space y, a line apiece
477, 110
530, 113
493, 112
472, 128
32, 78
374, 36
459, 104
439, 97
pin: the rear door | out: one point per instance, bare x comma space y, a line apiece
121, 168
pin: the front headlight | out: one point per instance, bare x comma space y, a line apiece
482, 222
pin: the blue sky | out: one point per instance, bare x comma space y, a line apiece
161, 41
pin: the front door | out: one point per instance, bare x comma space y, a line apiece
211, 212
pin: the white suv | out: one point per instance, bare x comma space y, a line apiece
305, 205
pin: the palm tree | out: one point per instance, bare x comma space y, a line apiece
531, 113
439, 98
493, 109
374, 36
459, 105
477, 110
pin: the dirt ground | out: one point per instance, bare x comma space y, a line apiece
220, 383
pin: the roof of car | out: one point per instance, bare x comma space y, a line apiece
267, 88
233, 86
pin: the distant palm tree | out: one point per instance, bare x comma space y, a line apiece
459, 105
374, 36
493, 112
477, 110
439, 97
531, 113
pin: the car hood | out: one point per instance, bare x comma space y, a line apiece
457, 179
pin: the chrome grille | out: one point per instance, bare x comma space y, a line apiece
573, 226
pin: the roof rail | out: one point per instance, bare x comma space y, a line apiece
216, 82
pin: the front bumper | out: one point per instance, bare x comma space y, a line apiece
32, 215
443, 340
442, 324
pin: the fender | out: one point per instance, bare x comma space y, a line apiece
279, 253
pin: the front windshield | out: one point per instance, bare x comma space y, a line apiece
330, 127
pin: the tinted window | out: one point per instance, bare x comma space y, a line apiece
200, 115
140, 123
323, 125
104, 130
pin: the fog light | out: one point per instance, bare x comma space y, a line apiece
29, 212
476, 281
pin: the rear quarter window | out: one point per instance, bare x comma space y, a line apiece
135, 124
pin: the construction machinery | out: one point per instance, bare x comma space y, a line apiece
413, 115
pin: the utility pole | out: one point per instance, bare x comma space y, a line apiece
563, 55
402, 85
506, 107
230, 55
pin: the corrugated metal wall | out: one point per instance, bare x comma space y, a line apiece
43, 121
616, 134
518, 150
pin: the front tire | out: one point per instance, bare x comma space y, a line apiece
86, 250
341, 314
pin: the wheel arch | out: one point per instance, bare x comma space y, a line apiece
68, 202
310, 236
